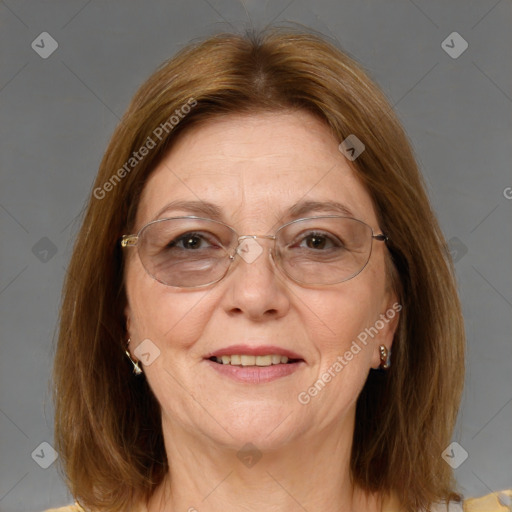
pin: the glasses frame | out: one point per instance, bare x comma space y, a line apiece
132, 241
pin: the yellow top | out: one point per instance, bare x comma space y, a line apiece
495, 502
500, 501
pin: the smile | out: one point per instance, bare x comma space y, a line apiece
250, 360
254, 364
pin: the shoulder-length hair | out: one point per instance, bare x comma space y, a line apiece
108, 424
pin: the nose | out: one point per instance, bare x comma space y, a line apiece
254, 286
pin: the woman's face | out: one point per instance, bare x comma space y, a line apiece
254, 169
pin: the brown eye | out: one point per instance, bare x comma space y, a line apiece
316, 242
191, 241
320, 241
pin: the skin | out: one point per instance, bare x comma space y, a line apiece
255, 167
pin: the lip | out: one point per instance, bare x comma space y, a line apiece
260, 350
256, 374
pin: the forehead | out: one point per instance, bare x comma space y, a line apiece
254, 168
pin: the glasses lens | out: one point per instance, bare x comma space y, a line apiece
323, 250
186, 252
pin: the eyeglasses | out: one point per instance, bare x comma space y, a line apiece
190, 252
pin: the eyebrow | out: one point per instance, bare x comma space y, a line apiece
205, 208
212, 211
306, 207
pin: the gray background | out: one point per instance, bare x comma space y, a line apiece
58, 114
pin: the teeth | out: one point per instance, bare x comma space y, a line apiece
246, 360
263, 360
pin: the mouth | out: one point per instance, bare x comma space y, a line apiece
255, 365
250, 360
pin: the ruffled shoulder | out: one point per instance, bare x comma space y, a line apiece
69, 508
500, 501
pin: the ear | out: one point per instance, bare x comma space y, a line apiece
128, 322
127, 316
387, 324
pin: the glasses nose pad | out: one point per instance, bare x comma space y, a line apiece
249, 249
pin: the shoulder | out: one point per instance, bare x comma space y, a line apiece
78, 508
69, 508
500, 501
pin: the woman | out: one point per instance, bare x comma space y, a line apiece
257, 242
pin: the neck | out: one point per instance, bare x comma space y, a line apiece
309, 473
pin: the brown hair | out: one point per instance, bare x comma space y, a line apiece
108, 426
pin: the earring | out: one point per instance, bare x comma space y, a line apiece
136, 368
385, 357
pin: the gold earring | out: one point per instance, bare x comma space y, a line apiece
385, 357
136, 368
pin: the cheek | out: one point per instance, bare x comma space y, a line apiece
337, 317
162, 313
343, 333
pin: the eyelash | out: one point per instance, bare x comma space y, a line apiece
303, 237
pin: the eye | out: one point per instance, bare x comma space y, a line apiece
192, 241
320, 241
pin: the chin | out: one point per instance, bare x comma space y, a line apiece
265, 427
